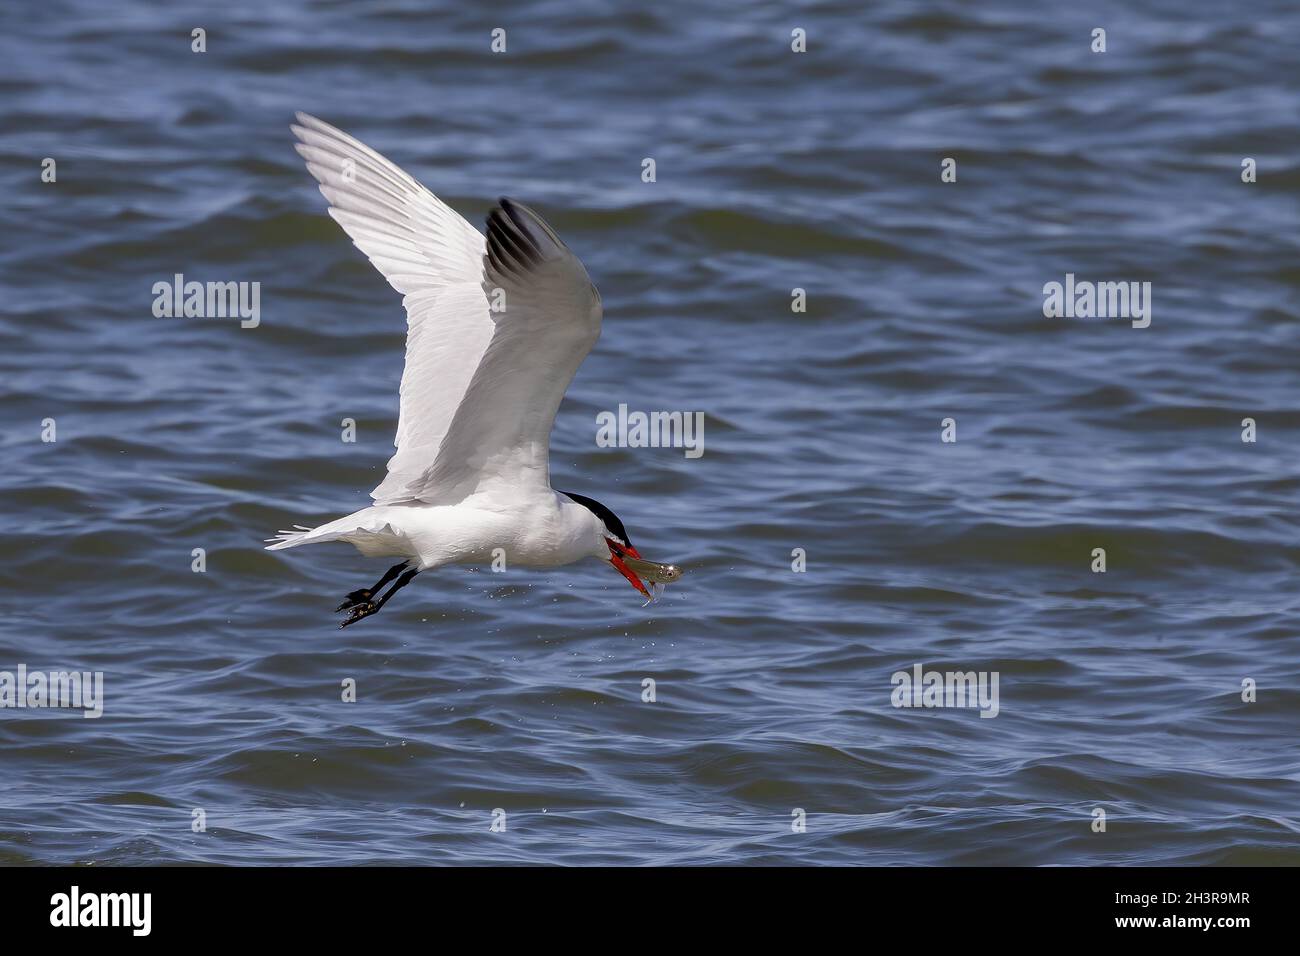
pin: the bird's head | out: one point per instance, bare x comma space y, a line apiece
624, 557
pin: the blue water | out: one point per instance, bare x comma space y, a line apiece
522, 692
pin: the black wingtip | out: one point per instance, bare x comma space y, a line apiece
518, 239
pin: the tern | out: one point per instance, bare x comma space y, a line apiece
496, 328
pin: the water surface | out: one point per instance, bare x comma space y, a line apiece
774, 171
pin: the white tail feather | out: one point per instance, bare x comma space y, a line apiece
367, 530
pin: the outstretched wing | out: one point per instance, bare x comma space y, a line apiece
434, 258
547, 317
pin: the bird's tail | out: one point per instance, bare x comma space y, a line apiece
290, 539
367, 530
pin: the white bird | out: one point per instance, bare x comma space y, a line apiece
496, 329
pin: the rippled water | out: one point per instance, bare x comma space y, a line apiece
775, 170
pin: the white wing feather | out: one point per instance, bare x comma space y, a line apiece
499, 437
431, 255
480, 389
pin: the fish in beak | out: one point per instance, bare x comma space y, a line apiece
632, 566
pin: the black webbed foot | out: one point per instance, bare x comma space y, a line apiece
360, 596
363, 595
359, 604
359, 611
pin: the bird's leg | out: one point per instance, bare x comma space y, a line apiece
365, 594
372, 607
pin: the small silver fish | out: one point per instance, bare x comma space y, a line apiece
659, 576
653, 570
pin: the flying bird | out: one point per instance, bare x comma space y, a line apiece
496, 328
